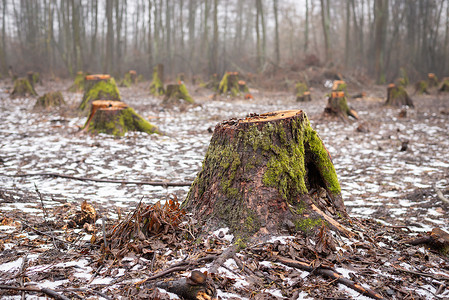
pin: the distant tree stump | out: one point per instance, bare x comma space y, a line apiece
213, 83
51, 99
265, 174
23, 88
444, 87
422, 87
99, 86
302, 92
432, 80
78, 83
176, 92
157, 85
116, 118
229, 84
337, 106
129, 78
34, 78
397, 96
403, 80
339, 86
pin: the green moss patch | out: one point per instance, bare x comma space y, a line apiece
102, 89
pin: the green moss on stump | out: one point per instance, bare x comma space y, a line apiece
176, 92
51, 99
23, 88
229, 85
118, 122
444, 87
422, 87
302, 92
397, 96
99, 89
256, 174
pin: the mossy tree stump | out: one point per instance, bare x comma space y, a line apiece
422, 87
157, 84
129, 78
432, 80
33, 78
267, 173
229, 84
337, 106
444, 87
23, 88
176, 92
49, 100
78, 83
302, 92
115, 118
397, 96
99, 86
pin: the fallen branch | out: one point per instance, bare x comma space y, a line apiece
433, 276
154, 183
45, 291
328, 272
348, 233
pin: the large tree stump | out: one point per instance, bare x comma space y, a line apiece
49, 100
302, 92
157, 84
422, 87
397, 96
266, 174
78, 83
339, 86
99, 86
176, 92
34, 78
23, 88
129, 78
337, 107
116, 118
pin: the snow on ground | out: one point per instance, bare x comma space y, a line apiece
378, 180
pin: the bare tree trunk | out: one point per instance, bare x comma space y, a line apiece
109, 37
325, 20
306, 29
347, 42
258, 42
118, 26
446, 37
214, 48
276, 26
168, 36
381, 20
191, 25
4, 67
150, 42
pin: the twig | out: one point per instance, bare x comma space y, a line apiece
45, 216
440, 194
21, 272
103, 295
433, 276
45, 291
328, 272
155, 183
41, 232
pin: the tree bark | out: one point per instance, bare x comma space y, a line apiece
397, 96
337, 106
381, 20
99, 87
266, 174
325, 20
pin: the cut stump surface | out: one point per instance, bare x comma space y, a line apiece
264, 174
99, 86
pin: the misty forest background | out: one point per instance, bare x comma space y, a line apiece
371, 38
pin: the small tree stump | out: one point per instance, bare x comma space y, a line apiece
444, 87
397, 96
422, 87
432, 80
116, 118
51, 99
99, 86
157, 85
213, 83
129, 79
23, 88
337, 106
176, 92
259, 174
34, 78
229, 84
78, 83
302, 92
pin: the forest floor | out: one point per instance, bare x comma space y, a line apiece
390, 193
